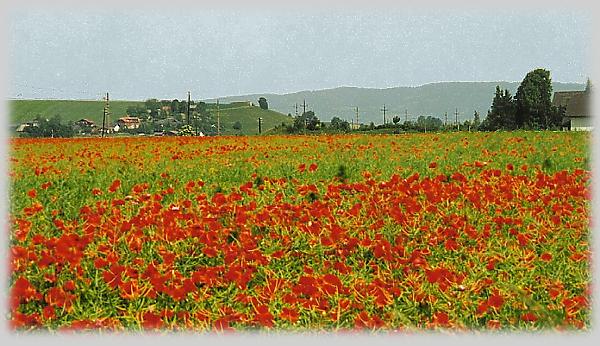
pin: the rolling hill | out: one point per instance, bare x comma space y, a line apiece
430, 99
248, 118
73, 110
69, 110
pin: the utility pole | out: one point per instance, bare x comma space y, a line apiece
304, 107
456, 117
406, 116
219, 120
188, 109
446, 121
357, 123
259, 125
384, 110
296, 107
105, 116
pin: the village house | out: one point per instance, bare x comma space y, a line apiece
85, 123
577, 108
129, 123
22, 127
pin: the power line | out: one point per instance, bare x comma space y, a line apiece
384, 110
218, 119
188, 109
456, 119
105, 116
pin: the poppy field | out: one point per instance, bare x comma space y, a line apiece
451, 231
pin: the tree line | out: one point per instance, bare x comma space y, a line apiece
530, 109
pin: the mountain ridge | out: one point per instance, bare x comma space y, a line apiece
434, 99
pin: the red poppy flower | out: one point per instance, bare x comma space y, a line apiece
529, 317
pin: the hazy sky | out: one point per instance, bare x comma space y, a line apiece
81, 54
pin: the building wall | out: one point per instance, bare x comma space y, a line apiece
581, 124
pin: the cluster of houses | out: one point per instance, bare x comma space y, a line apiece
126, 122
89, 127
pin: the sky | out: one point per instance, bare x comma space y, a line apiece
82, 53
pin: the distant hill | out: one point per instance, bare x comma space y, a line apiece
69, 110
248, 117
429, 99
73, 110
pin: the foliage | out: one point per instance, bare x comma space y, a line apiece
459, 231
306, 121
262, 102
429, 123
186, 130
338, 124
49, 128
476, 120
502, 113
533, 101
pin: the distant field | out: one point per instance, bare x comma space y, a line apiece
248, 118
71, 110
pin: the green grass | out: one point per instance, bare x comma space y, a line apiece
69, 110
73, 110
248, 118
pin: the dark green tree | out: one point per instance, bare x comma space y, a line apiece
237, 125
428, 123
338, 124
308, 121
533, 101
396, 119
476, 120
175, 106
50, 128
262, 102
502, 113
152, 104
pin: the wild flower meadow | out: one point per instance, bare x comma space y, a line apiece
457, 231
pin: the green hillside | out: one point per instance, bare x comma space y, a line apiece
69, 110
248, 118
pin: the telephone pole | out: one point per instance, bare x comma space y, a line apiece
357, 123
406, 116
218, 120
188, 109
384, 110
304, 107
259, 125
456, 117
105, 116
296, 107
446, 121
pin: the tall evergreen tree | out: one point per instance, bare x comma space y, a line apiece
533, 101
476, 120
502, 113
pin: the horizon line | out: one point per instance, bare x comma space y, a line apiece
13, 98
